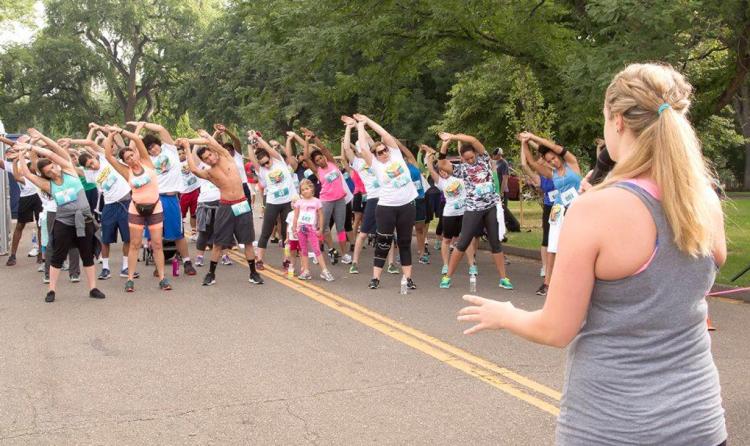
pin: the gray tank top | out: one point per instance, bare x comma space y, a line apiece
640, 371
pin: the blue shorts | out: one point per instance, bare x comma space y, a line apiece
421, 205
172, 217
368, 225
115, 218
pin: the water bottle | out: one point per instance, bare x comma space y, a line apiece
175, 267
404, 285
290, 271
473, 283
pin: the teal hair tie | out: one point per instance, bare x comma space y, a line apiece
663, 107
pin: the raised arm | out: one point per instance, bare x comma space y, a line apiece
136, 141
406, 153
430, 161
467, 139
214, 145
271, 151
190, 157
346, 141
533, 176
364, 144
109, 155
558, 149
289, 152
163, 133
306, 150
23, 169
386, 137
532, 162
61, 158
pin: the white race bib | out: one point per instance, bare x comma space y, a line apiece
243, 207
568, 196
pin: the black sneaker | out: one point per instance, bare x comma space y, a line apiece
12, 261
50, 297
96, 294
374, 283
542, 291
274, 240
189, 270
210, 279
410, 284
255, 278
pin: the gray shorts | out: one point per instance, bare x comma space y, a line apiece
230, 229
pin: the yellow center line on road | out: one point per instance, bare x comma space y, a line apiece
448, 354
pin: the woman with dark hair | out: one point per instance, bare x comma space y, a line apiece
74, 221
145, 208
480, 212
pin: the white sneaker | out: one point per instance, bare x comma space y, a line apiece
40, 268
541, 272
34, 252
327, 276
193, 237
346, 259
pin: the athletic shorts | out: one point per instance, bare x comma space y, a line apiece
114, 220
189, 202
421, 205
229, 228
545, 224
29, 208
452, 226
368, 225
554, 234
357, 204
294, 245
172, 217
146, 221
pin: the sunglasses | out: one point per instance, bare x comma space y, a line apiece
266, 164
380, 152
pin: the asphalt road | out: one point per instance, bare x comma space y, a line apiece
290, 362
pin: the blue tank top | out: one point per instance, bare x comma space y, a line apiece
570, 180
416, 178
547, 186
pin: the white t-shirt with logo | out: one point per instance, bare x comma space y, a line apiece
189, 180
112, 186
368, 176
168, 169
396, 186
454, 192
279, 187
209, 191
27, 187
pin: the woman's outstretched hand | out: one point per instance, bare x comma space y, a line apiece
486, 313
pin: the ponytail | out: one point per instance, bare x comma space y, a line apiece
654, 100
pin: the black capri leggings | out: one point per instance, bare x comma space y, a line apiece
398, 219
270, 217
473, 223
65, 239
546, 211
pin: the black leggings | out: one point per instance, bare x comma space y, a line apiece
66, 239
472, 224
546, 211
270, 217
401, 220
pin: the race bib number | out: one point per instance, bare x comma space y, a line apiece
308, 173
483, 189
108, 183
331, 177
552, 195
243, 207
191, 181
568, 196
307, 218
65, 196
281, 193
141, 181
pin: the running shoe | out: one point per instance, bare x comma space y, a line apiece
410, 284
189, 269
193, 237
473, 270
210, 279
164, 284
34, 252
65, 267
46, 278
96, 294
12, 261
285, 264
274, 240
255, 278
75, 278
353, 269
542, 291
129, 286
327, 276
225, 260
314, 260
507, 261
105, 274
542, 272
437, 244
305, 275
259, 265
425, 259
124, 274
50, 297
444, 270
199, 261
393, 269
40, 268
346, 259
445, 282
374, 283
505, 283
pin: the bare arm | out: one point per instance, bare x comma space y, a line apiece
61, 158
364, 145
214, 145
289, 153
109, 155
136, 141
429, 162
192, 165
386, 137
533, 163
38, 181
558, 149
467, 139
163, 133
306, 150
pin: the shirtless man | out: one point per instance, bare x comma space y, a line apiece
234, 218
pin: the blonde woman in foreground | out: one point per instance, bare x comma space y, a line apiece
637, 256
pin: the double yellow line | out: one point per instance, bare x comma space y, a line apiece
518, 386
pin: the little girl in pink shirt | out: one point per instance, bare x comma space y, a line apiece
308, 215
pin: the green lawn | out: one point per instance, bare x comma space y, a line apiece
737, 211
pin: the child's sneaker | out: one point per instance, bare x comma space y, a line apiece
327, 276
305, 275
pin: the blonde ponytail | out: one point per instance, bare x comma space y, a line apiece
654, 101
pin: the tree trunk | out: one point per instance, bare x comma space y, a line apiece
741, 104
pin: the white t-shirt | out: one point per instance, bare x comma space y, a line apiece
240, 162
368, 176
289, 222
110, 183
454, 191
27, 187
396, 187
48, 204
189, 180
279, 188
168, 169
209, 191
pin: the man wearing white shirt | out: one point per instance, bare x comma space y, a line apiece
29, 206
